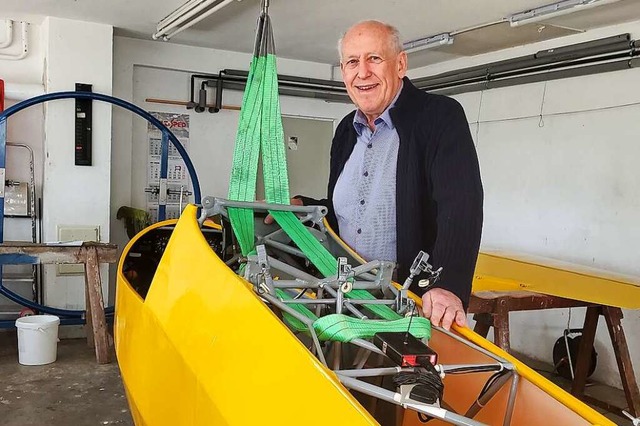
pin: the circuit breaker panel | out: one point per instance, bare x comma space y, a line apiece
83, 127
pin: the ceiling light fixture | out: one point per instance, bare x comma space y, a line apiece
555, 9
427, 42
187, 15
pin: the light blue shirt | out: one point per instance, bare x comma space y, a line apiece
364, 198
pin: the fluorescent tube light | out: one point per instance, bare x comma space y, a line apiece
190, 13
555, 9
427, 42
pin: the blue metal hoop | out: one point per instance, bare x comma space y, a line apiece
78, 316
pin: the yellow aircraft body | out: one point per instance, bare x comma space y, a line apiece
201, 348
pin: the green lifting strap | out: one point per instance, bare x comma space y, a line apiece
342, 328
260, 132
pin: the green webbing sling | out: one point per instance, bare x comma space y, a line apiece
260, 132
342, 328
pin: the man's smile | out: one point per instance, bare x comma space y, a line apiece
366, 87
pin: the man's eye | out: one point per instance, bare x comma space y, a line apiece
352, 63
375, 59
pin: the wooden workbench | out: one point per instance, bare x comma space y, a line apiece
505, 283
91, 255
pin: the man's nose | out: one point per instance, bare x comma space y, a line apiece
364, 70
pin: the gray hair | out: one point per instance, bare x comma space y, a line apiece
394, 35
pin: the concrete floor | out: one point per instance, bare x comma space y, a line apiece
75, 391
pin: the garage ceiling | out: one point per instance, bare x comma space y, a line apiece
308, 29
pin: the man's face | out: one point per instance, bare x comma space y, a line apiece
371, 70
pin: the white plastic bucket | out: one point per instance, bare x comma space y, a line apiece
37, 339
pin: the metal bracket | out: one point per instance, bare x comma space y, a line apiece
344, 274
265, 281
634, 420
434, 276
421, 264
212, 206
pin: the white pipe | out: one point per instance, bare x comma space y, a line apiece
20, 92
25, 46
198, 19
9, 34
555, 10
179, 20
177, 13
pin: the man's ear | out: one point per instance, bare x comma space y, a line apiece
402, 64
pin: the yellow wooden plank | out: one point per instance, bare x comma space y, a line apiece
506, 272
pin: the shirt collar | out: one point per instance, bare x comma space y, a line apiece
360, 121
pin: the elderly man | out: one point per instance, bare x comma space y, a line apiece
404, 173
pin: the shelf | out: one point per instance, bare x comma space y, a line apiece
17, 278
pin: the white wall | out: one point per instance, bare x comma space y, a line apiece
61, 53
76, 52
559, 168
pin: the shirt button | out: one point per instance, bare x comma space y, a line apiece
366, 174
359, 231
370, 146
362, 202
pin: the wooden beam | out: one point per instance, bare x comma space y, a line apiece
98, 321
613, 317
12, 253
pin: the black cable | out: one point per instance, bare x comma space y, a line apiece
428, 384
490, 382
475, 369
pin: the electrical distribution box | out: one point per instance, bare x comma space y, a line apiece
75, 234
83, 118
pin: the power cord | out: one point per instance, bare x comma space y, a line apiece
428, 384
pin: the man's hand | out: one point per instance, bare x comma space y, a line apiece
443, 307
294, 202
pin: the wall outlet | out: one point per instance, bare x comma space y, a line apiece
76, 233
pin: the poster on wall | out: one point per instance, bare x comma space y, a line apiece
178, 189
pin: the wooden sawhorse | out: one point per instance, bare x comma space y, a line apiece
492, 309
91, 255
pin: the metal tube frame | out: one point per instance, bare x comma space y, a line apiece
329, 292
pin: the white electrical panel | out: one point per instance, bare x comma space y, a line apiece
74, 234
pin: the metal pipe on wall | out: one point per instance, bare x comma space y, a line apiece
621, 42
8, 39
547, 76
601, 55
567, 61
327, 90
25, 46
531, 71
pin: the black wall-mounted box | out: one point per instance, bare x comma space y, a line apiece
83, 120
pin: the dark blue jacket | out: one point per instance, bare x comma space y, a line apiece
438, 188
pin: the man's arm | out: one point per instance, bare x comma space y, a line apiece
457, 192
